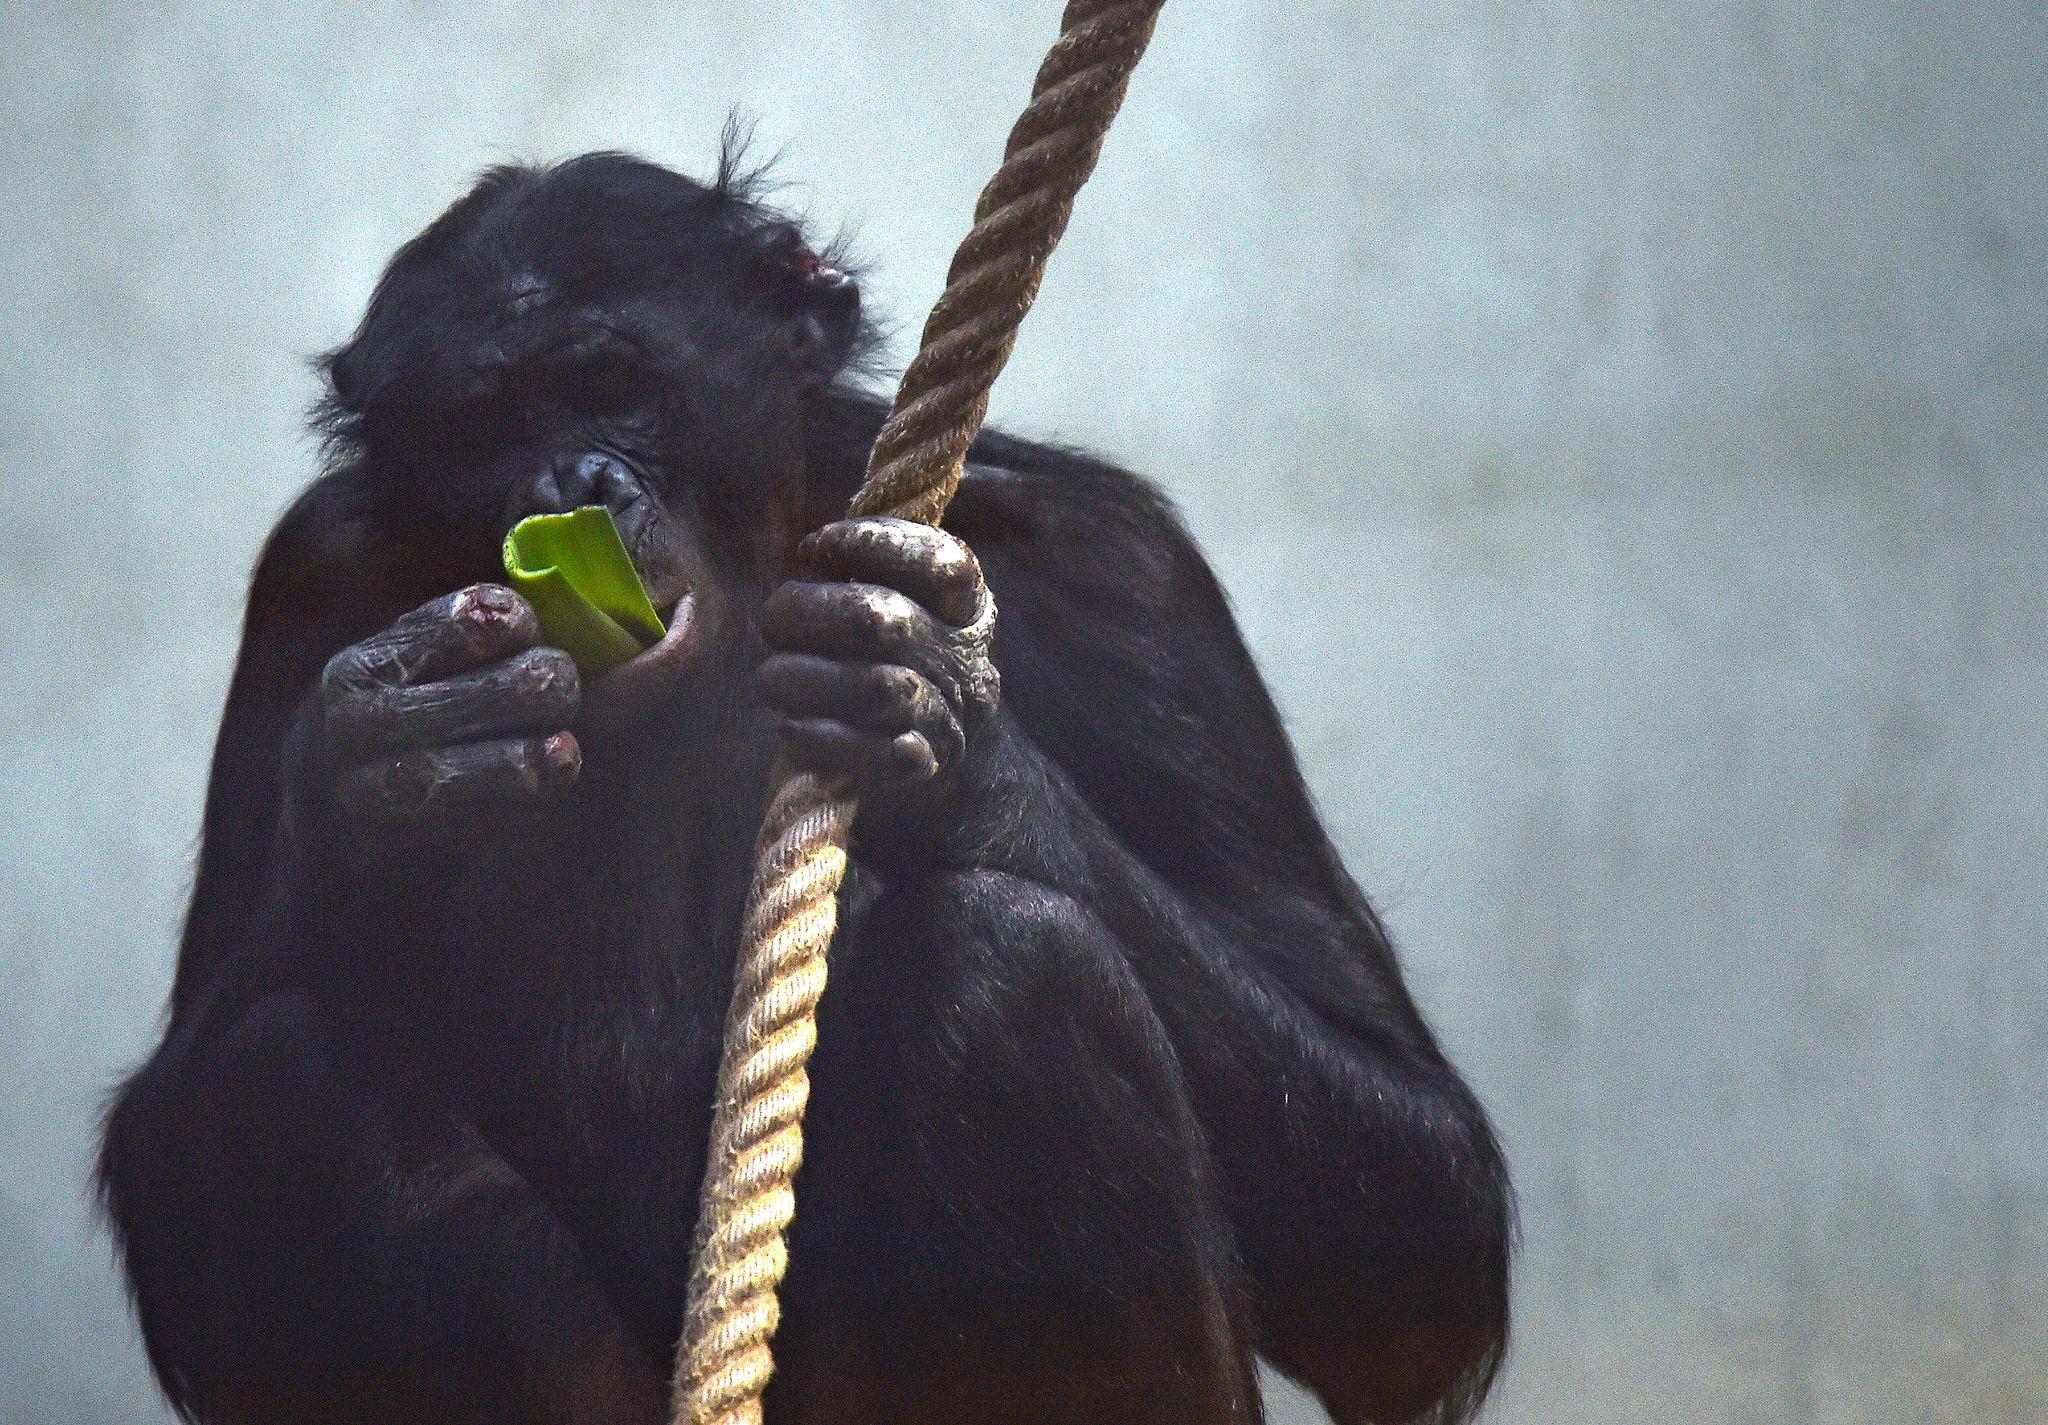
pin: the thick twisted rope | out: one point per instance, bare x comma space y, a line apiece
723, 1360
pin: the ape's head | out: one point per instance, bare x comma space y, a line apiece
601, 331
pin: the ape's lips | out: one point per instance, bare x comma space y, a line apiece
626, 689
647, 541
619, 692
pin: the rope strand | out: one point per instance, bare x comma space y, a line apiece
723, 1360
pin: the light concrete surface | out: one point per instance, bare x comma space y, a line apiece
1620, 425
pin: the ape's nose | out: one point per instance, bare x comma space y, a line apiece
576, 478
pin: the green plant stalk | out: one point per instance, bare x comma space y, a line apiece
574, 570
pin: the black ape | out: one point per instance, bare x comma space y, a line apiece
1118, 1082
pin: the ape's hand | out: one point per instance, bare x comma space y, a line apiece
455, 704
880, 667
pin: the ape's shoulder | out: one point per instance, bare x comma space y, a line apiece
1005, 471
1108, 536
337, 559
1121, 659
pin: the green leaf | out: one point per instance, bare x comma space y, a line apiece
574, 570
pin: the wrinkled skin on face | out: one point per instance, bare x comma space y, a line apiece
1117, 1084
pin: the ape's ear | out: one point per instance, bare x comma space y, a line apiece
820, 303
344, 368
824, 335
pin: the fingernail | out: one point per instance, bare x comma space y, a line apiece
560, 756
483, 605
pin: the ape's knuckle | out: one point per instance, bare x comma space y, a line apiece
879, 616
826, 541
979, 692
546, 675
876, 547
901, 616
897, 685
345, 675
882, 528
377, 706
951, 563
487, 599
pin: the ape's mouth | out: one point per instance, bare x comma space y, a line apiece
617, 696
655, 542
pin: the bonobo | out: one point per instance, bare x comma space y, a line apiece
1118, 1086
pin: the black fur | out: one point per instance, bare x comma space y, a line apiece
1118, 1083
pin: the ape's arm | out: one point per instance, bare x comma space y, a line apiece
1365, 1186
1364, 1189
420, 715
313, 1234
310, 595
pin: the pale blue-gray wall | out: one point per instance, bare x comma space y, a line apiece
1621, 426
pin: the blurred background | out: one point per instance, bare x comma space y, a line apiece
1620, 425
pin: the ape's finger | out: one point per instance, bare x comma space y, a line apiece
452, 634
885, 698
465, 774
529, 692
833, 749
856, 623
931, 566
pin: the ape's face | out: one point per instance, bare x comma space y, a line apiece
602, 332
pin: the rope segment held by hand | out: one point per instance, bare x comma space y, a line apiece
723, 1360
